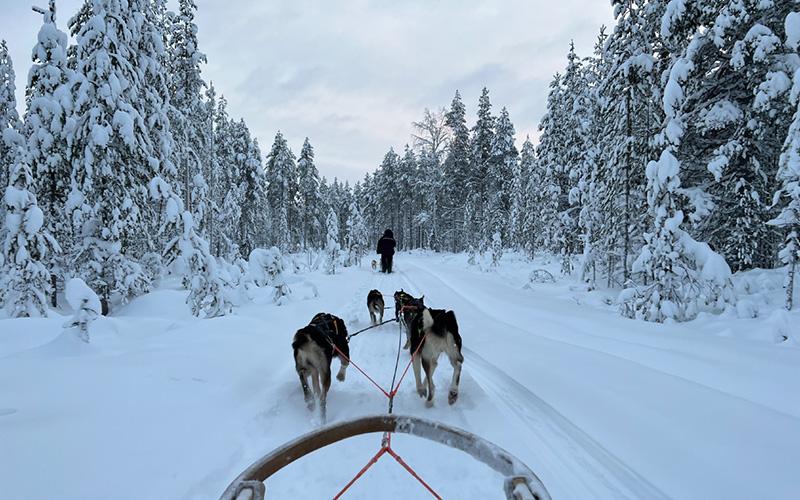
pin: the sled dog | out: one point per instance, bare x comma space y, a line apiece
313, 353
404, 308
375, 306
374, 265
433, 332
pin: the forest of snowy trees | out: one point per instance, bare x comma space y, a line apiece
667, 158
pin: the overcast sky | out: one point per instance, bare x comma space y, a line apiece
353, 75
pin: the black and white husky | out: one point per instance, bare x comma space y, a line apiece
405, 309
375, 305
313, 353
433, 332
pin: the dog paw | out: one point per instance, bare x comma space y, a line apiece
422, 391
310, 405
452, 397
408, 345
428, 403
340, 377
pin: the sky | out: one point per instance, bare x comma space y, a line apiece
352, 75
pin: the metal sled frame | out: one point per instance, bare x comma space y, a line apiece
520, 483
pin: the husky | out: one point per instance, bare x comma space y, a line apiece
375, 306
313, 353
405, 307
432, 332
374, 265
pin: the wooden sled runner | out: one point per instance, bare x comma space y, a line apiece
520, 483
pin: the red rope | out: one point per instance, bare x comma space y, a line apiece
386, 445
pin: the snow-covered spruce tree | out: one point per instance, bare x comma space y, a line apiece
735, 111
430, 192
207, 291
789, 175
111, 147
26, 247
386, 192
456, 172
332, 248
10, 138
206, 209
684, 276
500, 179
45, 129
228, 192
549, 155
528, 203
310, 205
281, 177
630, 121
575, 120
480, 155
255, 208
357, 237
406, 188
188, 119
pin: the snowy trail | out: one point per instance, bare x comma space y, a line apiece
619, 400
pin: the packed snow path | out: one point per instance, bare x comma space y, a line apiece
162, 405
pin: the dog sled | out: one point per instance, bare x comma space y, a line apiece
520, 483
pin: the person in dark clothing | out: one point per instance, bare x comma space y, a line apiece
386, 248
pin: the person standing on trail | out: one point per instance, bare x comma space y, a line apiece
386, 248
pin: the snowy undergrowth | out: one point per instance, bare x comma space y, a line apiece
760, 296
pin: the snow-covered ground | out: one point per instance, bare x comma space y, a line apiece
163, 405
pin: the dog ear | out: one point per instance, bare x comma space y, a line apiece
422, 298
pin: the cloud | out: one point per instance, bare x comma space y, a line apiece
353, 74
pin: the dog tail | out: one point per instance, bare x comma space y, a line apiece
452, 326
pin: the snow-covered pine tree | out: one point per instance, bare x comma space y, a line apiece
500, 174
789, 174
332, 247
10, 137
684, 275
386, 191
188, 112
735, 110
527, 207
549, 155
227, 191
629, 122
408, 192
455, 171
310, 204
86, 306
357, 237
26, 280
111, 147
253, 223
281, 176
480, 155
45, 129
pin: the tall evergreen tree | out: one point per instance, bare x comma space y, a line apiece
500, 179
310, 204
49, 106
481, 152
281, 177
456, 174
10, 125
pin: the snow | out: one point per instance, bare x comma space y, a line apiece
792, 26
77, 293
164, 405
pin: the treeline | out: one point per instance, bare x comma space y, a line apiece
126, 162
672, 146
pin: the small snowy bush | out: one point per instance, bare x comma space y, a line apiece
266, 269
86, 305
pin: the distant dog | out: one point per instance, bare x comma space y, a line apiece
405, 307
313, 353
374, 265
375, 306
435, 331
